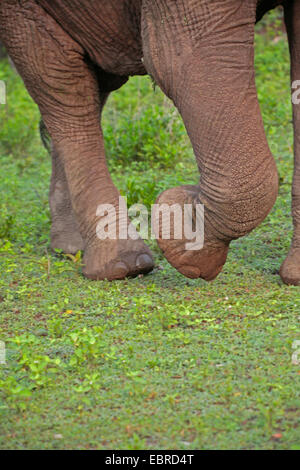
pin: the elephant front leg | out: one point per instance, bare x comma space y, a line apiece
290, 269
66, 89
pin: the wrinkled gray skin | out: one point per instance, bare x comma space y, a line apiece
71, 54
2, 52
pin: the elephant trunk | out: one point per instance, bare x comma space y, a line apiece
211, 80
238, 177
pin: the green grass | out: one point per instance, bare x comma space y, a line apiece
159, 361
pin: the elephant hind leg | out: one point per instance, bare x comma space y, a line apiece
290, 269
65, 234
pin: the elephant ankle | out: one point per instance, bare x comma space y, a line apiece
65, 236
69, 243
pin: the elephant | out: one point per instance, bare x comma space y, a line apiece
2, 51
72, 54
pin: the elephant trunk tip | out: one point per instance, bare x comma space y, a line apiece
191, 247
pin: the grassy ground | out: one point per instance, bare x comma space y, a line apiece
159, 361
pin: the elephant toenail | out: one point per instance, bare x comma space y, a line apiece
119, 270
144, 262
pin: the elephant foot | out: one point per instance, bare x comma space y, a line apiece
290, 268
117, 259
69, 244
68, 240
208, 259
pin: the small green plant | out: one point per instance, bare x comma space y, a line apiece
6, 222
87, 344
16, 394
55, 327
